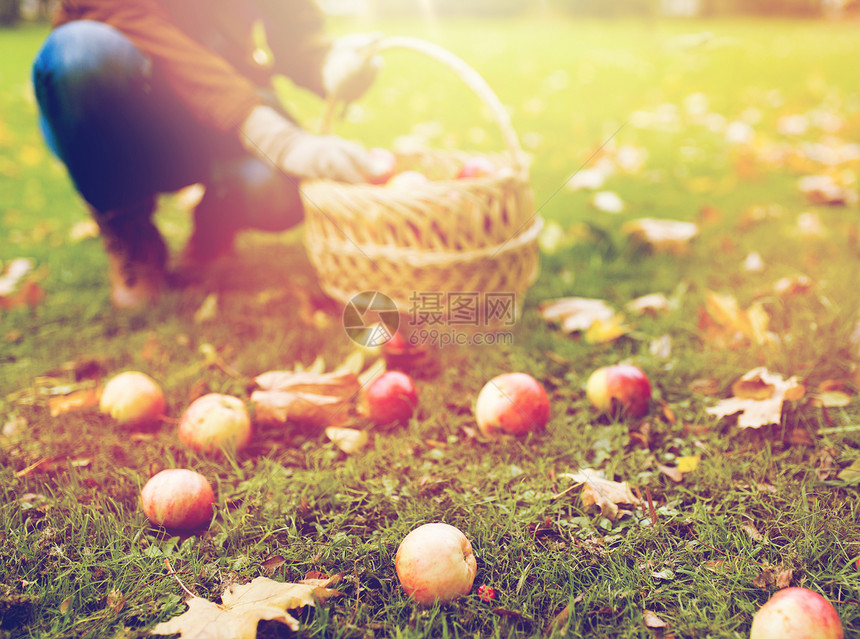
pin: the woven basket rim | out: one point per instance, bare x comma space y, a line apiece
432, 257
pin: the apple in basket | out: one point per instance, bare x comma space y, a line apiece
408, 180
178, 499
476, 166
383, 165
512, 404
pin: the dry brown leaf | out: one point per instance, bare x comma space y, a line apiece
753, 532
349, 440
684, 465
272, 563
851, 473
576, 313
724, 320
671, 472
53, 464
652, 620
670, 236
604, 493
825, 189
77, 400
242, 607
705, 386
771, 578
652, 304
789, 286
759, 397
19, 284
316, 399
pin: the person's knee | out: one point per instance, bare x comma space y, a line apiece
270, 199
85, 62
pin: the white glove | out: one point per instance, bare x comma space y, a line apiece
351, 66
305, 155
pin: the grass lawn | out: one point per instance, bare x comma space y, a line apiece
716, 122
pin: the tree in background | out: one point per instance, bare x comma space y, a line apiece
10, 11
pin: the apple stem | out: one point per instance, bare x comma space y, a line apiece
178, 580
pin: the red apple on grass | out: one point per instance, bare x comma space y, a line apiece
383, 164
214, 421
178, 499
796, 613
389, 399
476, 166
133, 399
435, 562
619, 389
513, 404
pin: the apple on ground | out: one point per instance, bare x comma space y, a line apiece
215, 421
620, 389
408, 180
133, 399
389, 399
435, 562
476, 166
796, 613
383, 164
513, 404
178, 499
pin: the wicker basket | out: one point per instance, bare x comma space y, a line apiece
449, 237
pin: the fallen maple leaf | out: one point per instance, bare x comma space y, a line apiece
242, 607
306, 396
758, 398
604, 493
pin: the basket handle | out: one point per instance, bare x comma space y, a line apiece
467, 74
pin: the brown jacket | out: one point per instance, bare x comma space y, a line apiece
204, 48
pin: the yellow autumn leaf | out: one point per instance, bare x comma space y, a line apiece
242, 608
689, 463
759, 397
603, 331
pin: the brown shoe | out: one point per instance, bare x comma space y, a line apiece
136, 255
214, 232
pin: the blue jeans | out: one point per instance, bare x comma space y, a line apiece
124, 136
